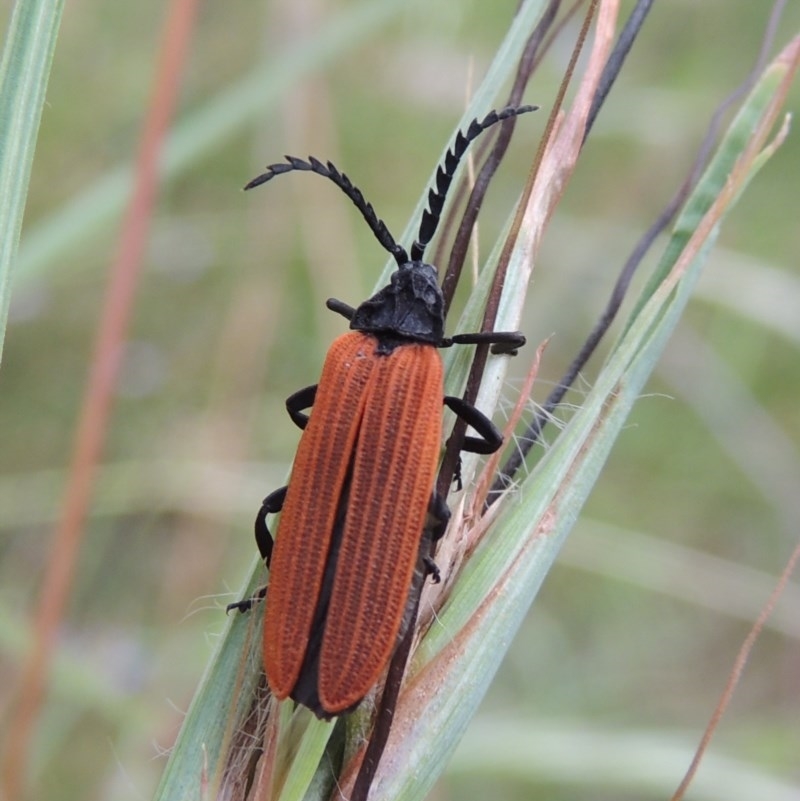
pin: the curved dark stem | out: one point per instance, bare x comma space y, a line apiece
531, 435
617, 58
330, 172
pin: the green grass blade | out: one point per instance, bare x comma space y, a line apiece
24, 71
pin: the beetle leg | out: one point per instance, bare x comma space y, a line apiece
432, 569
438, 516
457, 474
272, 503
489, 439
298, 401
340, 307
247, 604
502, 342
439, 512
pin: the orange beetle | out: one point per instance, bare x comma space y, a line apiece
362, 485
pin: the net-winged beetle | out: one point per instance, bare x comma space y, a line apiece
362, 484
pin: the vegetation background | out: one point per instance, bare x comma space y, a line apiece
622, 660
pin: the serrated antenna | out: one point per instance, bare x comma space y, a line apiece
446, 171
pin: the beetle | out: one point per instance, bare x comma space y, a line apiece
361, 492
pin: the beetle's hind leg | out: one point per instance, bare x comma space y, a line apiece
438, 517
489, 439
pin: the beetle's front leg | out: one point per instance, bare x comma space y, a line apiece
502, 342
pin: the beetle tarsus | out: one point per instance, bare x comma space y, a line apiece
246, 604
432, 569
457, 474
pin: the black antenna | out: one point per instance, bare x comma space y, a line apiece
445, 172
436, 197
329, 171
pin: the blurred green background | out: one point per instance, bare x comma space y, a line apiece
636, 629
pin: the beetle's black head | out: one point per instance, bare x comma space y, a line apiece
410, 308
